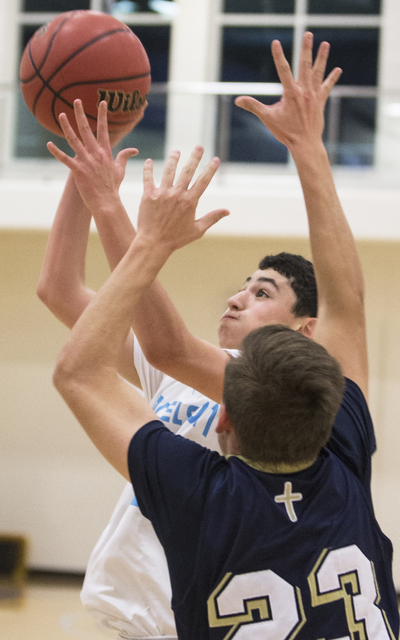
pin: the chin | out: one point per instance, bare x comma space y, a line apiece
225, 342
227, 338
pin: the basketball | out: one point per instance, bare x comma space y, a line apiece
88, 55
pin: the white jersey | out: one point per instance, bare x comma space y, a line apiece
127, 586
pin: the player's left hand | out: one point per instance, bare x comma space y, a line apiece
167, 213
298, 117
97, 175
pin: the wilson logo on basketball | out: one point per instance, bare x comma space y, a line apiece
121, 100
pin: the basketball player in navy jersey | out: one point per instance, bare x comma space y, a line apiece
278, 539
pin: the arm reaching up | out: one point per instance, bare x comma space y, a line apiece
297, 120
163, 336
86, 372
62, 286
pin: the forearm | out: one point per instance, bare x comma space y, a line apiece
86, 370
334, 253
341, 316
115, 229
61, 285
99, 335
155, 321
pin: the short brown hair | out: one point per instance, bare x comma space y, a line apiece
282, 395
299, 272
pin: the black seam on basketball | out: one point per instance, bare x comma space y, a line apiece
103, 81
69, 105
56, 94
85, 46
38, 74
37, 69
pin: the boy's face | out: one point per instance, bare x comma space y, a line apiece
265, 298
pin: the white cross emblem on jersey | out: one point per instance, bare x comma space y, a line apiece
288, 498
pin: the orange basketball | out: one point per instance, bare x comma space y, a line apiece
88, 55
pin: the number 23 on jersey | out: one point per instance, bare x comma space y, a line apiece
343, 574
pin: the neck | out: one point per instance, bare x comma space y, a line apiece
273, 468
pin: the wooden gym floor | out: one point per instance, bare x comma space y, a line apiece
50, 609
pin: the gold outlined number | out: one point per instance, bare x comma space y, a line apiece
347, 574
263, 606
236, 599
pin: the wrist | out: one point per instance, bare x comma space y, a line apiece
308, 152
158, 250
108, 207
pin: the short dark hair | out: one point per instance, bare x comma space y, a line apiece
300, 274
282, 395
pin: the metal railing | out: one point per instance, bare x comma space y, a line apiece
226, 91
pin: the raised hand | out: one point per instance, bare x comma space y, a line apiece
97, 175
299, 114
167, 213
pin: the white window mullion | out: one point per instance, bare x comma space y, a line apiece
388, 126
97, 5
8, 77
300, 24
193, 58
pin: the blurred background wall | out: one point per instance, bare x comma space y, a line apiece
54, 486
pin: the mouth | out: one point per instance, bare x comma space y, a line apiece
228, 317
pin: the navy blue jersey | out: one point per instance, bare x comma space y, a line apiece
261, 556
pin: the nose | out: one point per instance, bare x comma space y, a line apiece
237, 301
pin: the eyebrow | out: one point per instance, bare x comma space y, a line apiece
264, 279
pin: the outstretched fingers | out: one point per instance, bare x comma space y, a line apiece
205, 178
209, 219
84, 129
60, 155
148, 178
319, 66
331, 80
306, 62
186, 175
70, 135
282, 66
102, 126
124, 155
251, 104
169, 172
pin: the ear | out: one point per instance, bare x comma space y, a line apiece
224, 424
307, 327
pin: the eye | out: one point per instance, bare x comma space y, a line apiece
261, 293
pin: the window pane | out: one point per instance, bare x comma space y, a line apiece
143, 6
250, 140
55, 5
27, 33
247, 53
356, 132
156, 42
355, 51
149, 135
259, 6
345, 6
31, 137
